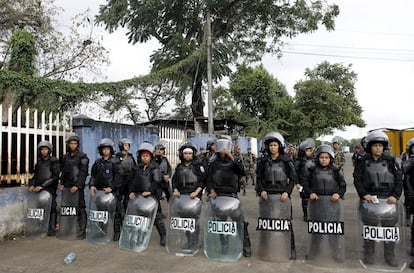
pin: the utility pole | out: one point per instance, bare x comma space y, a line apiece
209, 77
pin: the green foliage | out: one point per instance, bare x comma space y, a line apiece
241, 30
262, 101
23, 52
327, 99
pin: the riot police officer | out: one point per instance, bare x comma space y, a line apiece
276, 174
325, 180
46, 177
74, 166
146, 180
378, 176
189, 179
106, 175
223, 180
128, 163
189, 176
303, 162
165, 168
408, 171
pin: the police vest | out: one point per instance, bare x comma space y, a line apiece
225, 179
44, 171
323, 182
163, 166
71, 167
127, 163
186, 178
275, 178
104, 173
380, 179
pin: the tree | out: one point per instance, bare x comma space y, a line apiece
51, 55
262, 101
242, 29
327, 98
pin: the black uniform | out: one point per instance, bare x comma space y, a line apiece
74, 172
187, 179
276, 176
408, 171
223, 178
325, 182
165, 169
128, 163
302, 164
381, 177
46, 175
149, 180
108, 174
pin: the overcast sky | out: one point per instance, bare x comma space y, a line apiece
375, 36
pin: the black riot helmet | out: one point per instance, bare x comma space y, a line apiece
106, 142
187, 145
410, 143
275, 136
305, 145
145, 146
72, 136
47, 144
325, 149
124, 141
210, 142
160, 146
376, 137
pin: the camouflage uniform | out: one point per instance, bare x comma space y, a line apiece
339, 160
250, 161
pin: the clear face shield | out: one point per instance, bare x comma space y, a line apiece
222, 144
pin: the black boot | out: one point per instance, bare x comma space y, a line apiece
389, 254
82, 224
305, 209
247, 250
52, 224
292, 243
369, 248
117, 229
159, 224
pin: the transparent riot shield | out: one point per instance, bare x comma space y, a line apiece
12, 210
223, 229
326, 240
37, 209
100, 229
274, 227
382, 244
68, 220
138, 223
184, 227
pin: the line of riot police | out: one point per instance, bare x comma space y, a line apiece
125, 199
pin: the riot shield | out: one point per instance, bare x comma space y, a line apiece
68, 220
184, 227
12, 210
38, 208
223, 229
100, 229
275, 227
138, 223
326, 240
382, 244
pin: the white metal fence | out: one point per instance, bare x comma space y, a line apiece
172, 139
19, 137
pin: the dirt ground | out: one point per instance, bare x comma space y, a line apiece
46, 255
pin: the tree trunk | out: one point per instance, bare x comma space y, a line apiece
197, 104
